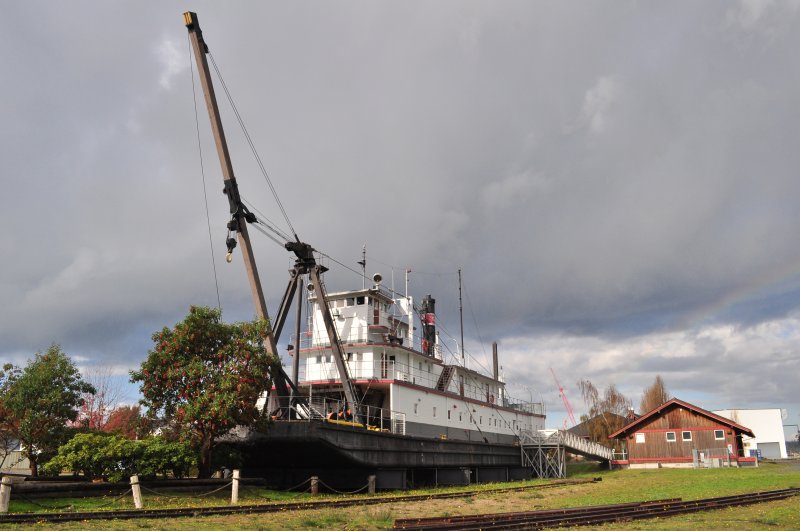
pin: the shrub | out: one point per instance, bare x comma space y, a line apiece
113, 457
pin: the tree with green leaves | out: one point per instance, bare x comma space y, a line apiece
8, 424
204, 377
41, 399
654, 396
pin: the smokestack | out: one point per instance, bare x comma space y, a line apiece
428, 325
495, 370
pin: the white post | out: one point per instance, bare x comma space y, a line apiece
5, 493
137, 492
314, 485
235, 488
371, 483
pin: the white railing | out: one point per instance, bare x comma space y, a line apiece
568, 440
321, 408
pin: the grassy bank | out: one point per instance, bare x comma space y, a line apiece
616, 487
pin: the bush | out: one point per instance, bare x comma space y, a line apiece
113, 457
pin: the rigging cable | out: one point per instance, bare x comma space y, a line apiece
203, 173
252, 147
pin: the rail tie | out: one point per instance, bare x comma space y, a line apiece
592, 515
127, 514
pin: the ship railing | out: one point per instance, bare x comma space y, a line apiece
360, 337
359, 369
535, 408
335, 411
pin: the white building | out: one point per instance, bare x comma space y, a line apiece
767, 425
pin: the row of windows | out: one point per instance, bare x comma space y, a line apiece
359, 301
328, 358
492, 421
719, 435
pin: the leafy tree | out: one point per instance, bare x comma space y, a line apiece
205, 376
98, 405
606, 411
654, 396
8, 423
41, 399
126, 421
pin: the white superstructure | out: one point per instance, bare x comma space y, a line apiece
395, 375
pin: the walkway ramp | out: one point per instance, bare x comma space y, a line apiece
544, 451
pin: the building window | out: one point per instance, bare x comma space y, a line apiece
686, 435
671, 436
719, 435
639, 438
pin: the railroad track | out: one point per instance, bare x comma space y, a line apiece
593, 515
128, 514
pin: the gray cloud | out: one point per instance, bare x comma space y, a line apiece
604, 174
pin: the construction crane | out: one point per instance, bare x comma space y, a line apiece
564, 399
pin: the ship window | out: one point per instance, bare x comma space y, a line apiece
360, 300
639, 438
369, 301
448, 414
480, 420
415, 408
360, 356
719, 435
459, 417
671, 436
319, 359
686, 435
349, 356
350, 301
434, 411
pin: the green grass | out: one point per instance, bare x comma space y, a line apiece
616, 487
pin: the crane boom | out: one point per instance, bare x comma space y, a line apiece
240, 217
564, 399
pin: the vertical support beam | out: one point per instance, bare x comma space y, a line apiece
5, 494
371, 484
137, 492
298, 317
314, 485
336, 344
235, 487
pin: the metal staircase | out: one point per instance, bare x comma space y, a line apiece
444, 378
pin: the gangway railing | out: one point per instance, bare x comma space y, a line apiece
544, 452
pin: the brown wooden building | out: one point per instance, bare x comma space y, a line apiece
678, 433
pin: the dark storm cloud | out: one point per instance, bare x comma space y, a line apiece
603, 173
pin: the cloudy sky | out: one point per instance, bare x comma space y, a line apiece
617, 180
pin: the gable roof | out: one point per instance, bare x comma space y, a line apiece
674, 403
